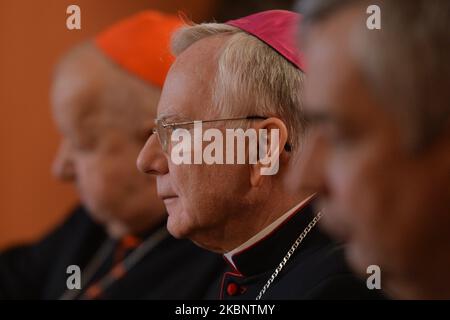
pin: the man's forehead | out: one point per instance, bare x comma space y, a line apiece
188, 89
334, 70
205, 51
197, 65
171, 116
339, 34
181, 96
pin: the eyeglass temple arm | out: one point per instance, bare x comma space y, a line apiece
287, 146
214, 120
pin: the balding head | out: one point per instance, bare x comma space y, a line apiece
87, 84
104, 114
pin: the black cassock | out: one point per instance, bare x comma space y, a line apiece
171, 269
316, 270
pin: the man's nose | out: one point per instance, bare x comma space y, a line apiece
63, 166
151, 159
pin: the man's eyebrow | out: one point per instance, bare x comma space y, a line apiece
171, 116
330, 118
318, 118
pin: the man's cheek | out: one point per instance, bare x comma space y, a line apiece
94, 189
185, 179
98, 180
349, 191
343, 181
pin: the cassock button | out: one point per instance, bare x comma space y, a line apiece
232, 289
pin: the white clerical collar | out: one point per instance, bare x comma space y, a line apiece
265, 232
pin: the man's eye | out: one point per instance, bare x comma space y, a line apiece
83, 148
85, 145
144, 134
148, 133
188, 127
340, 137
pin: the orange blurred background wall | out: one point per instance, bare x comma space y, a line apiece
33, 35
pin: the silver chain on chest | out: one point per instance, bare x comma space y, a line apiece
289, 254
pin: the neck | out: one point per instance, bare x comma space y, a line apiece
261, 215
117, 228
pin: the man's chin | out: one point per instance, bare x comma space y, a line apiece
174, 228
334, 228
355, 260
171, 203
97, 215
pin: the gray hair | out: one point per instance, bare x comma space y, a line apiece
252, 78
406, 62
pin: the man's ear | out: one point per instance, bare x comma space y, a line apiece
272, 145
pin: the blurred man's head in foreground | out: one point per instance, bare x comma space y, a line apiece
379, 106
104, 98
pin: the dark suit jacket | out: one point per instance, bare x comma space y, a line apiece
317, 270
174, 269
